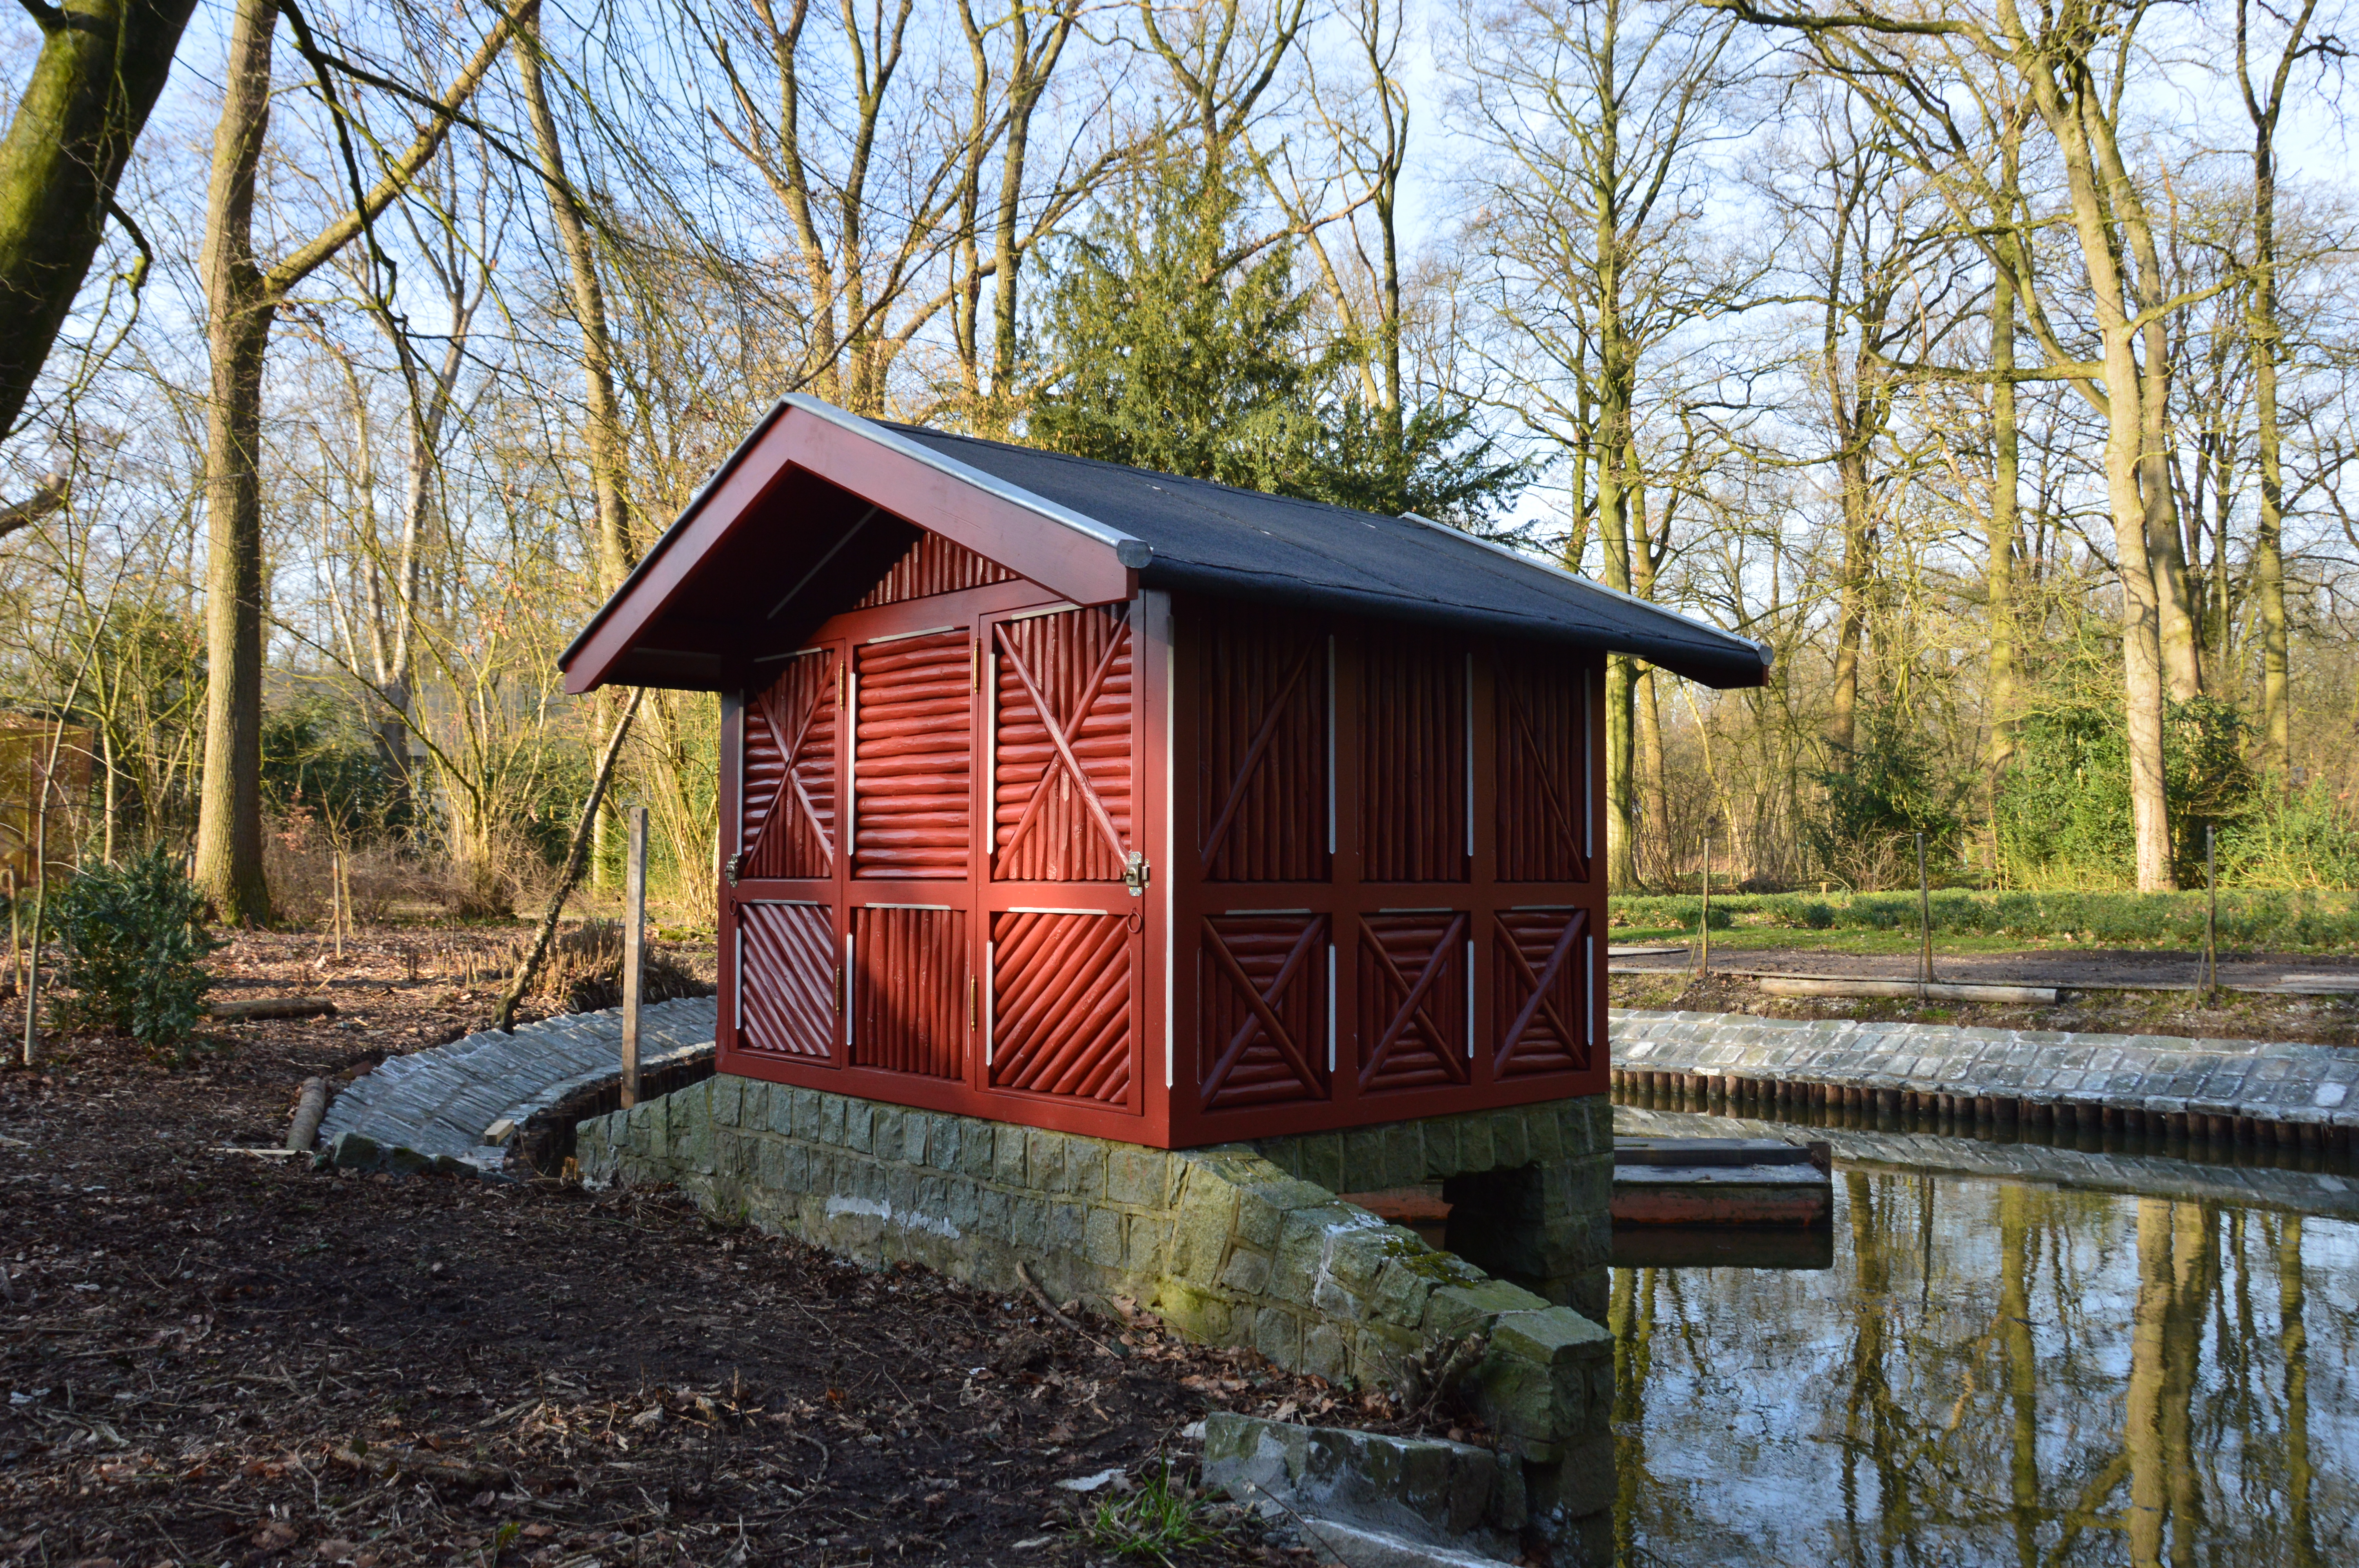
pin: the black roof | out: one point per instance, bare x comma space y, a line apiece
1197, 535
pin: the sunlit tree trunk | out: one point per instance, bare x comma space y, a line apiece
2265, 338
2022, 1369
241, 299
2293, 1348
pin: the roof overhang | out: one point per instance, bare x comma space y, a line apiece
807, 515
816, 504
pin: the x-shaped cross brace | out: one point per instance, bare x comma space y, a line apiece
768, 704
1413, 1010
1057, 738
1263, 1005
1538, 1005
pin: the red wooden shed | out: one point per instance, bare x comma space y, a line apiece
1166, 812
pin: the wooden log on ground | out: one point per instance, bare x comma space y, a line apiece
309, 1109
250, 1008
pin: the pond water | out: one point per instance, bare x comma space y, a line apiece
1996, 1371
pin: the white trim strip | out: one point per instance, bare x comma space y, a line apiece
1226, 912
990, 998
1543, 908
939, 908
990, 756
1167, 632
1038, 909
847, 995
1444, 909
1032, 614
1330, 1007
905, 636
1589, 1013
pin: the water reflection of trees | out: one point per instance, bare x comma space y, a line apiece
2000, 1374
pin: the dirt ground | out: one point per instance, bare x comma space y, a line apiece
2233, 1015
220, 1357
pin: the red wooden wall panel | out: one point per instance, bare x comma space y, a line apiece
1413, 758
1061, 788
933, 564
1413, 1000
1542, 816
914, 699
1262, 1020
786, 979
786, 817
1542, 1022
1263, 793
911, 1004
1064, 1004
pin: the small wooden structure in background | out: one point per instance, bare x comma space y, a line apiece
1066, 794
25, 745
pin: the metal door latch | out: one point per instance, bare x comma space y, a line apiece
1134, 872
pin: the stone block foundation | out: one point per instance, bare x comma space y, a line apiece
1237, 1245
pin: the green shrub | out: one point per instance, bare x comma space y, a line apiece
133, 938
1818, 916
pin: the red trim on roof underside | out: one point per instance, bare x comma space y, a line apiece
1056, 557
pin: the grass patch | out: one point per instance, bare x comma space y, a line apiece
2300, 920
1152, 1522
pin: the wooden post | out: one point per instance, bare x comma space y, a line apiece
635, 920
16, 953
336, 900
2211, 915
1924, 924
1703, 921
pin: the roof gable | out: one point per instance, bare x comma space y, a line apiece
819, 510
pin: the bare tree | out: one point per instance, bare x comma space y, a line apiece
244, 297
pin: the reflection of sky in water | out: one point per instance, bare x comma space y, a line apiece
1960, 1388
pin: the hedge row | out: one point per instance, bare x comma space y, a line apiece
2298, 919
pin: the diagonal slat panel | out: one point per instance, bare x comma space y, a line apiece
1284, 958
1541, 989
1412, 986
1063, 1005
786, 980
1071, 657
1543, 760
933, 564
797, 713
1413, 760
910, 768
1261, 714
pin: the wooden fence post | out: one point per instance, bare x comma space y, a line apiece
1924, 925
635, 920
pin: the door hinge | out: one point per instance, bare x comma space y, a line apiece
1135, 874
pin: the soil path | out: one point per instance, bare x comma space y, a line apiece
220, 1357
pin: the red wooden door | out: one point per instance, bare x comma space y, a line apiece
1063, 954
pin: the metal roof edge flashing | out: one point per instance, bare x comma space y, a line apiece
1767, 654
1679, 658
1015, 494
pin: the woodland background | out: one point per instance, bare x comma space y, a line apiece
1995, 366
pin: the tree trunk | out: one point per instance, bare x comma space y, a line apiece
2276, 752
103, 63
2000, 697
1620, 670
1851, 465
237, 335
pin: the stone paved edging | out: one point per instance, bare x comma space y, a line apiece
2305, 1089
2146, 1175
429, 1109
